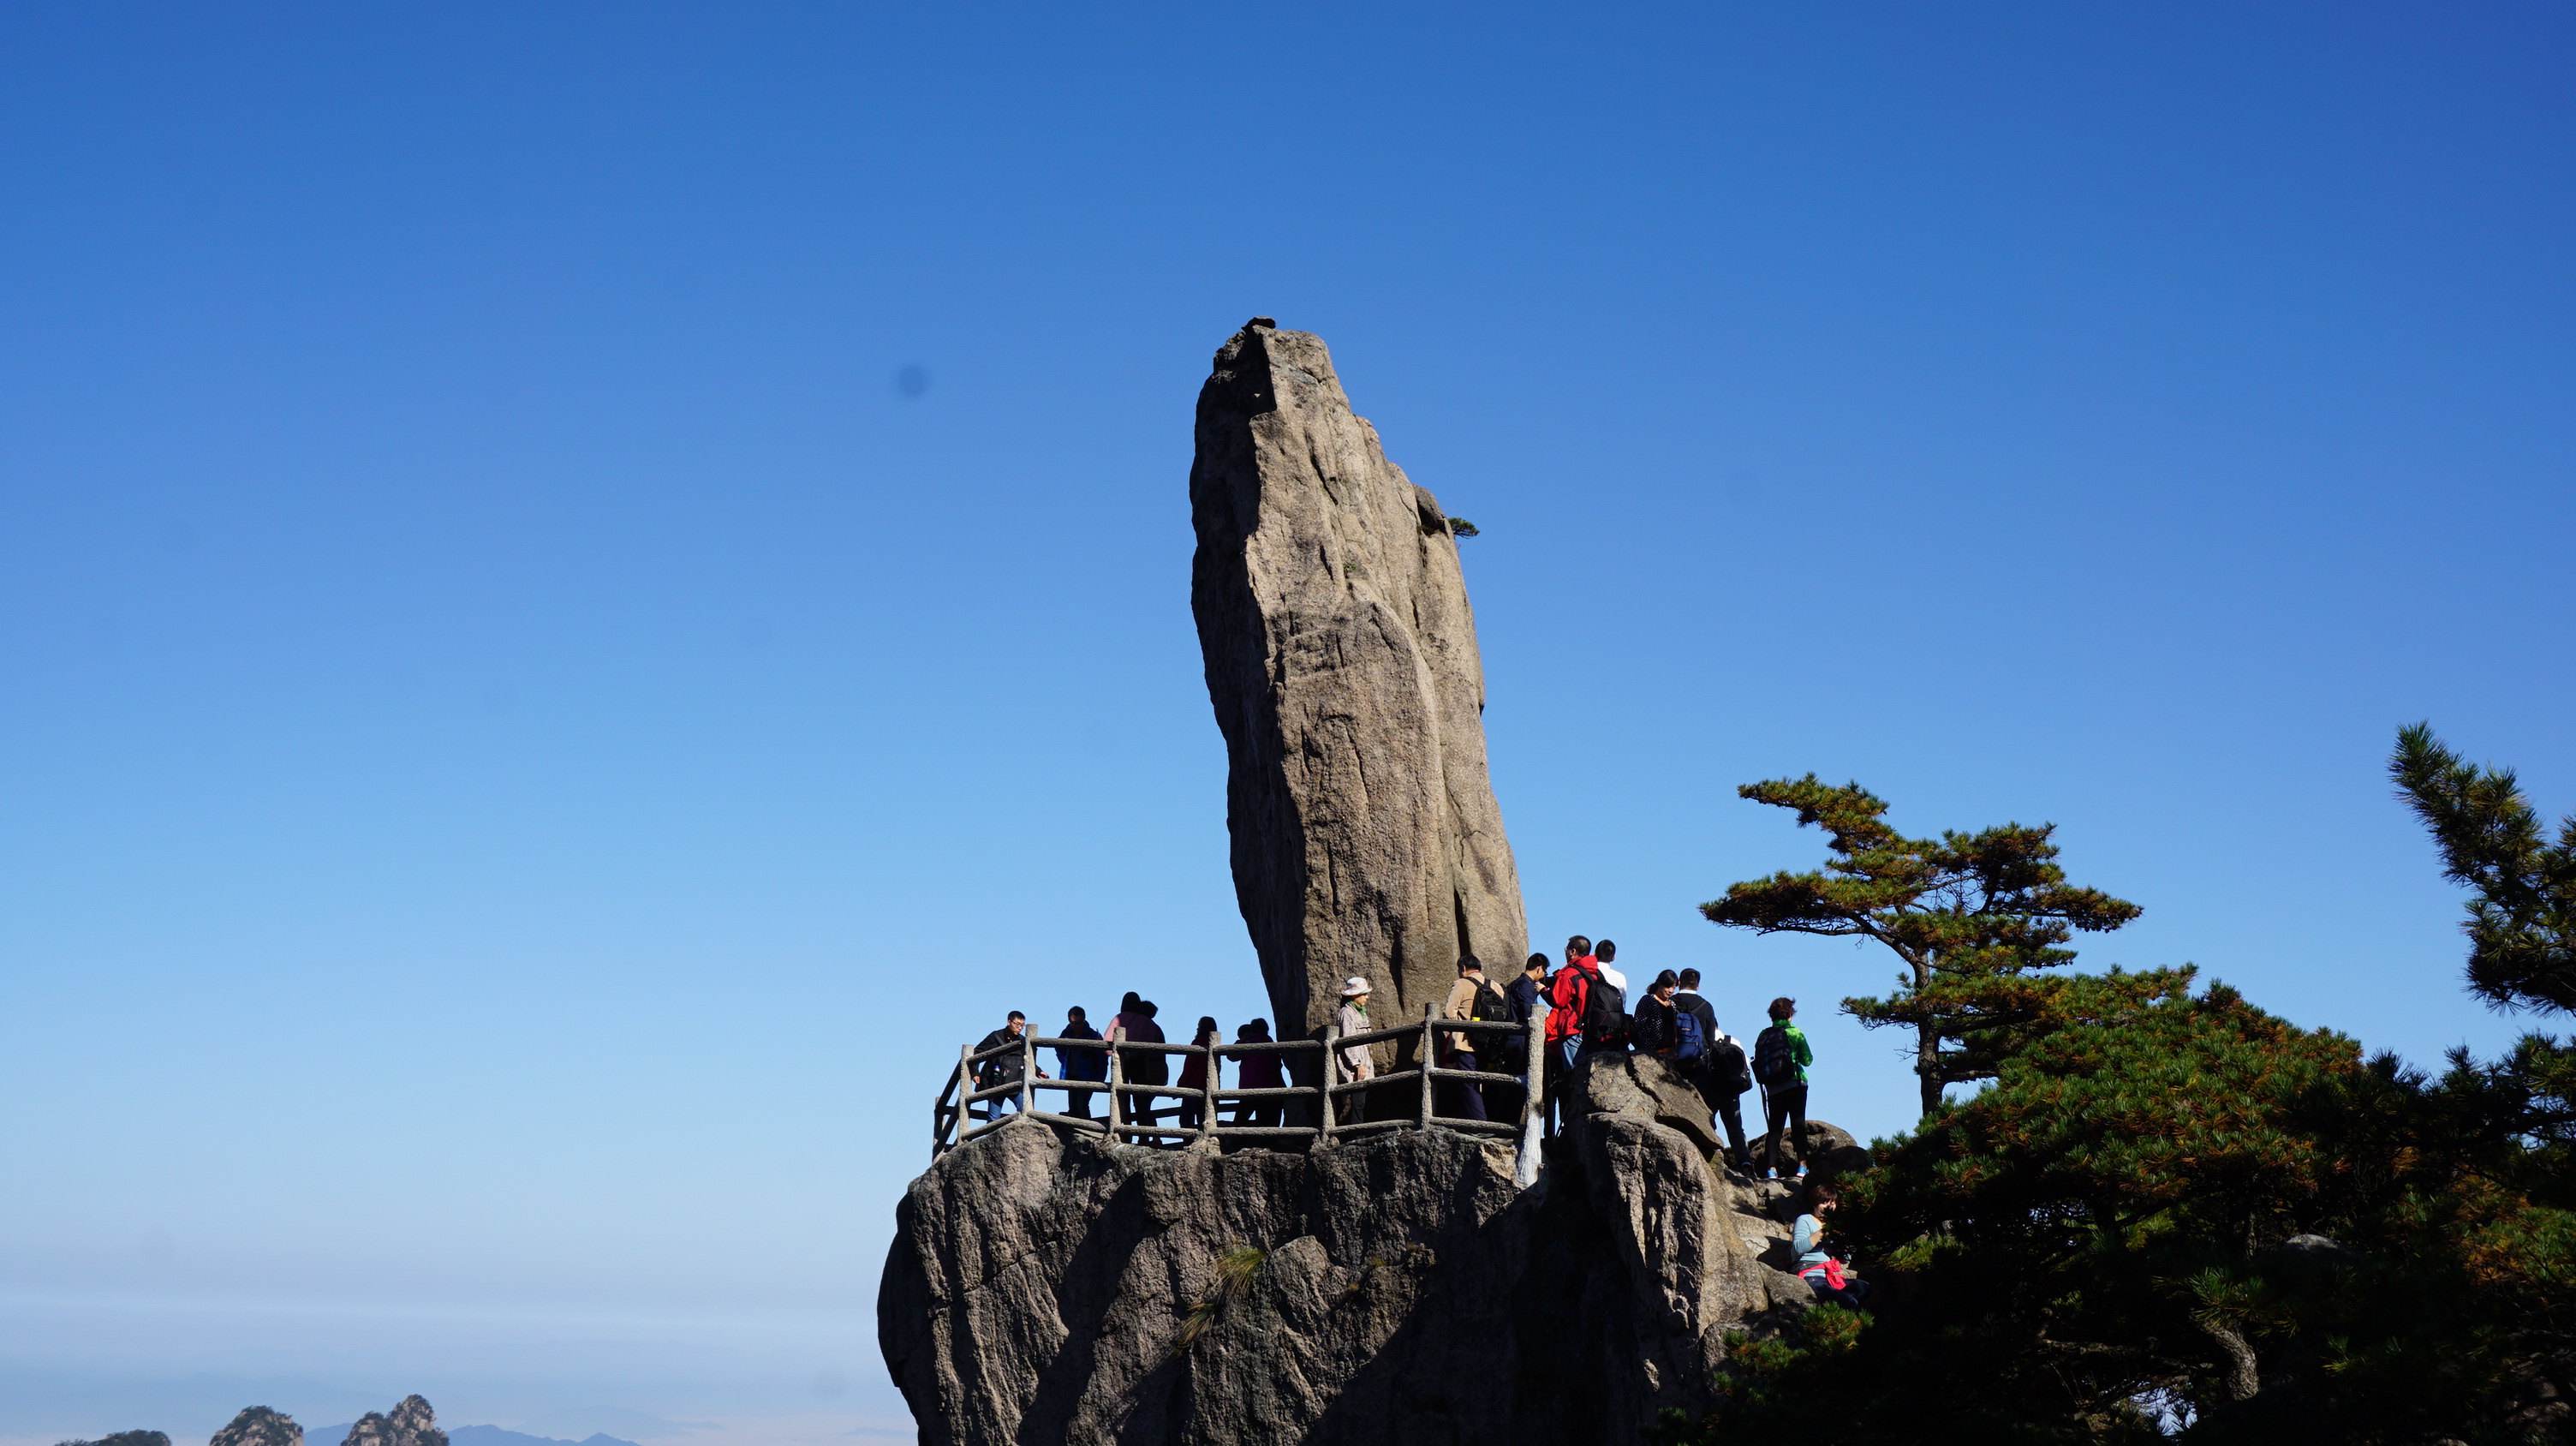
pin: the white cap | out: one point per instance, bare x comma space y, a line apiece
1354, 986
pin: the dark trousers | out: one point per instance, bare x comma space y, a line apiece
1854, 1291
1466, 1097
1077, 1103
1559, 1103
1729, 1107
1785, 1104
1730, 1113
1264, 1113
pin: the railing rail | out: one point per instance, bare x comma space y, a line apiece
1293, 1111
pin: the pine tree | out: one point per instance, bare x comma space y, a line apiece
1974, 917
2521, 923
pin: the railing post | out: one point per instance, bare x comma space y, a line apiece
1028, 1070
1207, 1094
956, 1117
1117, 1078
1422, 1112
1533, 1104
1332, 1077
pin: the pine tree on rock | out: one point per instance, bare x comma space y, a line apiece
1974, 916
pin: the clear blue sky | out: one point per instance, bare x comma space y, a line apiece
528, 749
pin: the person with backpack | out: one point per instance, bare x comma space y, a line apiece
1602, 1026
1780, 1060
1601, 957
1829, 1278
1471, 998
1569, 990
1653, 1026
1724, 1071
1075, 1063
1259, 1070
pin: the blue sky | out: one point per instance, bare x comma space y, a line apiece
530, 748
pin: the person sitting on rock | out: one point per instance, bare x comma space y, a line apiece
1725, 1072
1356, 1061
1259, 1070
1829, 1278
1072, 1062
1003, 1068
1196, 1074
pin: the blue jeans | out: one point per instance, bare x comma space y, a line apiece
992, 1109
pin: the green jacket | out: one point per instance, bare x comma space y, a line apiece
1798, 1047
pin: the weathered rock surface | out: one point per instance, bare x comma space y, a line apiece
1047, 1288
260, 1426
411, 1423
1341, 659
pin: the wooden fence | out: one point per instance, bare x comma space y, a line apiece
1313, 1104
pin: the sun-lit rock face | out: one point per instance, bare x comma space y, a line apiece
1341, 659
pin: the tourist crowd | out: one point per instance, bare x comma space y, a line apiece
1583, 1007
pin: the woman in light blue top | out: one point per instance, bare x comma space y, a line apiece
1816, 1266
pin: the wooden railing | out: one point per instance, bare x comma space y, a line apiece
951, 1122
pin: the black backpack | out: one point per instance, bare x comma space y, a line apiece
1726, 1066
1773, 1065
1605, 1015
1490, 1006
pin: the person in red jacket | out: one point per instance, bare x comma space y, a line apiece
1567, 993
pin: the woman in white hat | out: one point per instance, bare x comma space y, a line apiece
1356, 1061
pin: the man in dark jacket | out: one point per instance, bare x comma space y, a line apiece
1075, 1063
1003, 1068
1724, 1073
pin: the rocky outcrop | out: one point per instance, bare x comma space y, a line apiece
1048, 1287
260, 1426
125, 1438
411, 1423
1341, 659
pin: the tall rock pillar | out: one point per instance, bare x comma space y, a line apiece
1341, 658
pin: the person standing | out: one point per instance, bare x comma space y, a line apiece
1569, 992
1358, 1063
1527, 997
1003, 1068
1258, 1070
1135, 1025
1724, 1073
1073, 1062
1199, 1072
1656, 1031
1471, 998
1602, 954
1780, 1059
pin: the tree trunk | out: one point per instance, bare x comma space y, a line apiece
2243, 1381
1927, 1061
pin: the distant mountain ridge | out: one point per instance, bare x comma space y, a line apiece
478, 1436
